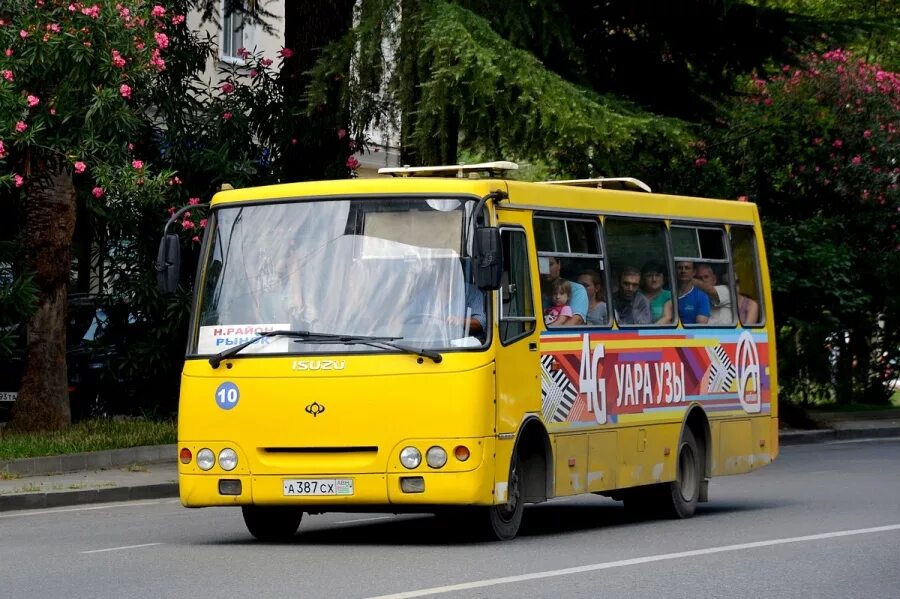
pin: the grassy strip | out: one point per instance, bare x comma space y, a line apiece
91, 435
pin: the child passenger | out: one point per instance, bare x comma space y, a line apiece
559, 313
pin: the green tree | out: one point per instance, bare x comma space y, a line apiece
816, 147
72, 77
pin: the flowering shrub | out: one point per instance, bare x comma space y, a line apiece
816, 146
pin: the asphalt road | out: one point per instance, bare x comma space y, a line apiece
823, 521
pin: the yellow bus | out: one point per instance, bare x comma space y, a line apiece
447, 340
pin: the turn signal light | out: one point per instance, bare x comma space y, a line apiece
185, 456
461, 453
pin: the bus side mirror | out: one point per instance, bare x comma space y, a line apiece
168, 263
488, 258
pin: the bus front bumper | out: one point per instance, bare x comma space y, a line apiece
374, 492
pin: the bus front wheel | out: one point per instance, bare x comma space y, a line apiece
272, 523
505, 520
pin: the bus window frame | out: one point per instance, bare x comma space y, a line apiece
728, 261
504, 342
763, 313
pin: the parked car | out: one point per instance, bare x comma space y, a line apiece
90, 348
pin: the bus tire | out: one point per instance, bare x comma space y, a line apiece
504, 521
680, 496
272, 523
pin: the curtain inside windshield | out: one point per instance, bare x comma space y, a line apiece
375, 267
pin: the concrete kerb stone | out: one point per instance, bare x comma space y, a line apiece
31, 501
94, 460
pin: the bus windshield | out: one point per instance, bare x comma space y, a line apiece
382, 267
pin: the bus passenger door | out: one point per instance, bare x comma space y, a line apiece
518, 357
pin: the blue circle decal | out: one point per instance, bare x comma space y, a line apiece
227, 395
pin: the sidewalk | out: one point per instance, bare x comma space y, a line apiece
152, 473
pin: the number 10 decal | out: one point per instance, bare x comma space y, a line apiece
588, 383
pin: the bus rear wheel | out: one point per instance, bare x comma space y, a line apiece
680, 496
272, 523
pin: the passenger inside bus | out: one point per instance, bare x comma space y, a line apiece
693, 304
559, 312
578, 300
653, 287
748, 309
707, 281
631, 306
598, 312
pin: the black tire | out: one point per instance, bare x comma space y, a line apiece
272, 523
504, 521
680, 496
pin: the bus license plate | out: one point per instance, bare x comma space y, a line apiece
317, 486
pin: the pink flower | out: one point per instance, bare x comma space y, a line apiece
867, 134
8, 75
53, 111
174, 181
21, 127
767, 102
97, 192
857, 160
177, 19
125, 91
202, 223
92, 12
32, 101
157, 61
227, 88
243, 53
9, 52
193, 201
352, 163
227, 116
2, 150
195, 239
837, 144
162, 40
80, 167
253, 73
342, 133
18, 180
53, 27
286, 53
117, 60
158, 11
138, 164
700, 161
23, 34
266, 62
186, 224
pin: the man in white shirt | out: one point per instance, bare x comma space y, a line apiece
719, 295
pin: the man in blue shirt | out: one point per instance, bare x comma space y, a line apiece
693, 304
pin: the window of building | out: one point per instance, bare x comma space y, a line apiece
232, 30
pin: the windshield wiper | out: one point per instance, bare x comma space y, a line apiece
311, 337
374, 342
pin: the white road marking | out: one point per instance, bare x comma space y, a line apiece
632, 562
120, 548
25, 513
364, 519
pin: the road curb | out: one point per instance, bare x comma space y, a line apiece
32, 501
825, 435
92, 460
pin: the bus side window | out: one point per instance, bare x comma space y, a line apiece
517, 318
641, 280
746, 276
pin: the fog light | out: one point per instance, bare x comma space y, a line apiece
185, 456
228, 459
229, 486
461, 453
410, 457
412, 484
206, 459
436, 457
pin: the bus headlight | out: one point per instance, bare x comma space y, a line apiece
228, 459
436, 457
206, 459
410, 457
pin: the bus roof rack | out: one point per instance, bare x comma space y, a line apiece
497, 167
625, 183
